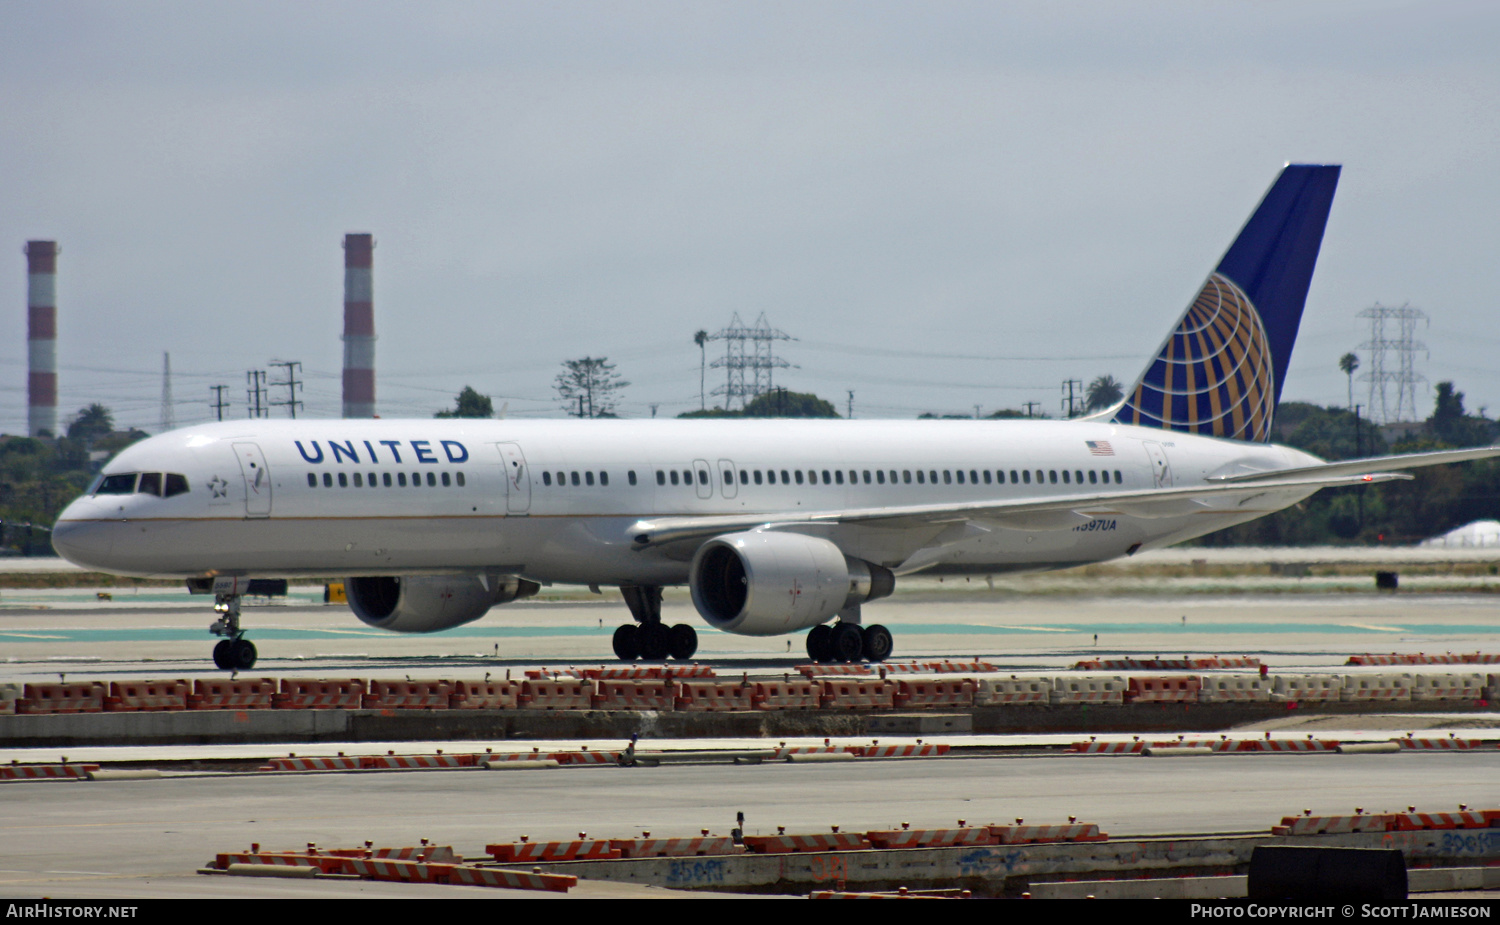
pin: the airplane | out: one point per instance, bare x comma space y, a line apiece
776, 526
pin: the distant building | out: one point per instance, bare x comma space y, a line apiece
1480, 534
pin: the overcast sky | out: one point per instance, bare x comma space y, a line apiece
947, 204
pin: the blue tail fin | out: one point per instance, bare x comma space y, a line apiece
1221, 369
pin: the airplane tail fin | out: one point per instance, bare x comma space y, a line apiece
1220, 371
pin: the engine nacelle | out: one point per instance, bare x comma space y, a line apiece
427, 604
767, 583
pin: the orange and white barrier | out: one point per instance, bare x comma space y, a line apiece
407, 695
485, 695
793, 844
1108, 748
339, 762
839, 694
1469, 686
556, 695
931, 838
1449, 744
1306, 688
1412, 822
1102, 689
715, 696
46, 771
899, 751
416, 762
86, 697
216, 694
309, 694
1234, 688
400, 871
644, 694
832, 671
994, 691
787, 695
587, 849
1376, 687
1034, 834
1277, 745
1163, 689
915, 695
511, 879
1332, 825
133, 696
674, 847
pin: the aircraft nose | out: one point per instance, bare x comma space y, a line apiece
82, 539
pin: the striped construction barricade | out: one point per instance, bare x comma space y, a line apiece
1234, 688
485, 695
556, 695
786, 695
339, 762
643, 694
1227, 661
432, 854
143, 696
1376, 687
1465, 686
1452, 743
246, 694
926, 694
1471, 819
1163, 689
947, 667
319, 694
407, 695
584, 756
325, 863
619, 673
399, 871
15, 771
834, 671
899, 751
1301, 688
1102, 689
511, 879
1108, 748
702, 696
1037, 834
990, 692
851, 694
785, 752
674, 847
931, 838
689, 671
1332, 825
84, 697
392, 762
1391, 659
796, 844
586, 849
1236, 746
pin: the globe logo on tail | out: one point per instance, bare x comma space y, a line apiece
1214, 375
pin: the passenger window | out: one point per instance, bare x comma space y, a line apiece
726, 477
948, 477
1053, 473
921, 477
416, 480
867, 476
1013, 477
575, 479
1078, 475
880, 476
431, 481
370, 480
150, 484
893, 476
1067, 480
546, 478
799, 476
401, 479
1093, 477
687, 476
674, 476
974, 477
932, 475
460, 477
1118, 480
986, 476
122, 483
343, 480
784, 479
744, 477
702, 477
588, 477
604, 479
312, 480
630, 476
906, 476
661, 478
838, 476
385, 479
826, 480
359, 481
446, 481
327, 480
757, 477
1025, 476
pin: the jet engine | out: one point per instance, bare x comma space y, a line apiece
426, 604
767, 583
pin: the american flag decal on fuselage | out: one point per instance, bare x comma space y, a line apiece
1099, 448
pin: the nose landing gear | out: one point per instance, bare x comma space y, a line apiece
234, 652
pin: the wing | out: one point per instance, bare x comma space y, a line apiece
1052, 513
1367, 466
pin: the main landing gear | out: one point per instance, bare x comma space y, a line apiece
849, 642
234, 652
648, 638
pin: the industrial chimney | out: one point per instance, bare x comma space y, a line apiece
41, 338
359, 327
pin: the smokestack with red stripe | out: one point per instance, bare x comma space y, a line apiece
359, 327
41, 338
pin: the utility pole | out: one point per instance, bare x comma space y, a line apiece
1072, 402
976, 412
1031, 408
851, 404
255, 392
292, 368
219, 404
168, 419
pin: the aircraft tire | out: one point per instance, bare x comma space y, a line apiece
818, 648
654, 639
627, 642
846, 642
242, 654
877, 643
684, 642
221, 654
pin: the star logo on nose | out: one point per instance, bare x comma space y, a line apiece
218, 487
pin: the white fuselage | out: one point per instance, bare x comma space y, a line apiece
555, 501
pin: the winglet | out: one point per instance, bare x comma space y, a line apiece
1220, 371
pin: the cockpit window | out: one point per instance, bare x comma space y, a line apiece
176, 484
121, 483
150, 484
